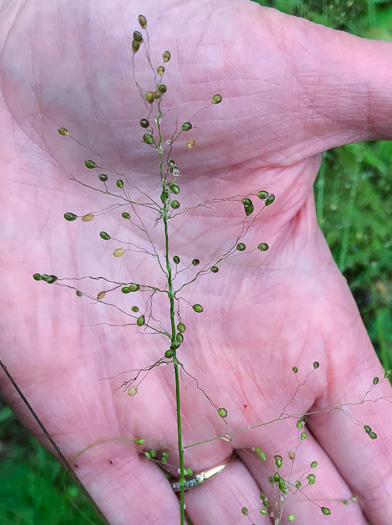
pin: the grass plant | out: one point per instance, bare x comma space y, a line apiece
353, 210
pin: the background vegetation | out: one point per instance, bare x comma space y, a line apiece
354, 206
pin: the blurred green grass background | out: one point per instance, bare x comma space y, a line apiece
354, 207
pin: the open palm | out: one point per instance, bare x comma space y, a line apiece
290, 90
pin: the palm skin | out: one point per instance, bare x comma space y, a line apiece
290, 91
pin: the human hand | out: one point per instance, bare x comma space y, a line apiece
291, 90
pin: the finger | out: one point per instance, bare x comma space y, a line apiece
335, 85
345, 83
326, 490
128, 488
365, 463
224, 497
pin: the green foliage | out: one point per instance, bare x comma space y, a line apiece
359, 17
34, 487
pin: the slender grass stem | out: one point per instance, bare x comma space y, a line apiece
320, 186
175, 362
349, 221
371, 12
172, 321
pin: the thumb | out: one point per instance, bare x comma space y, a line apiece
344, 82
296, 88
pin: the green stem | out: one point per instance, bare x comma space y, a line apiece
371, 12
348, 222
63, 460
320, 191
173, 327
180, 449
175, 361
281, 513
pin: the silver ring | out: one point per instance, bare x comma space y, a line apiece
197, 479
